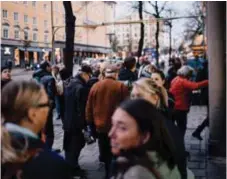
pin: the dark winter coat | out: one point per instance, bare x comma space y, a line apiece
43, 164
4, 82
48, 81
75, 98
126, 74
178, 141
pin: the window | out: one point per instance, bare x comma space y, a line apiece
34, 19
45, 23
15, 15
25, 2
25, 18
45, 7
16, 34
34, 36
25, 35
45, 38
4, 13
33, 3
5, 33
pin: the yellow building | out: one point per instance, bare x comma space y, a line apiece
27, 29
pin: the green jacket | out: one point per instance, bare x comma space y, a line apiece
141, 172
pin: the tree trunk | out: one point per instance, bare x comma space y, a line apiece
70, 32
157, 43
141, 29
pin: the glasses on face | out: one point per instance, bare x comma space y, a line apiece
42, 105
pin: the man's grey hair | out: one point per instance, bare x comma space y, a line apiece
185, 71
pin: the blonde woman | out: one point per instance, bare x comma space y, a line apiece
24, 109
147, 89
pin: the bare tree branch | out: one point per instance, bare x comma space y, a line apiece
163, 7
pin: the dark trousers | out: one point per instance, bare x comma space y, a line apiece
105, 151
73, 144
201, 127
49, 130
58, 105
180, 117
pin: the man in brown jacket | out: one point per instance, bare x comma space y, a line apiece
103, 99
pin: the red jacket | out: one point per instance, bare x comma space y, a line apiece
103, 99
181, 89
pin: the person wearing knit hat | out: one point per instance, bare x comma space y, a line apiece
5, 75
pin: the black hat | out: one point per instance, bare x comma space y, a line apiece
86, 69
5, 67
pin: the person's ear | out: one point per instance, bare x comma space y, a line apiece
146, 137
163, 82
32, 115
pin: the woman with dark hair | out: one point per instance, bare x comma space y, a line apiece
24, 108
159, 78
141, 143
147, 89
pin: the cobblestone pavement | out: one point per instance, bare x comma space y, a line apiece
202, 166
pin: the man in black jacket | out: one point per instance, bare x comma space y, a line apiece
44, 76
75, 98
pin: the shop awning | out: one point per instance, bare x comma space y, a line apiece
33, 49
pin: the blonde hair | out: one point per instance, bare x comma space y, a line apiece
10, 154
147, 85
17, 98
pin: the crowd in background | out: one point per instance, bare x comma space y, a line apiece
137, 113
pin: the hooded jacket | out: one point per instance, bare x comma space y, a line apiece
43, 163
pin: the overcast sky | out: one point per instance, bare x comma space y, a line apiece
180, 7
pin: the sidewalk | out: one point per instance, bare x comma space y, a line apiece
202, 166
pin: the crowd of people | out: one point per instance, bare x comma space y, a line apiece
136, 112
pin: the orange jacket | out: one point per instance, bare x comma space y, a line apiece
103, 99
181, 89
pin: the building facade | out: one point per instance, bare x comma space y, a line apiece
27, 30
128, 35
